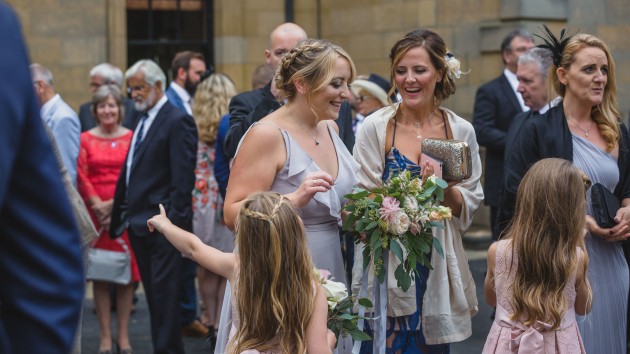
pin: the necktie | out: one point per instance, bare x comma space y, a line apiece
140, 135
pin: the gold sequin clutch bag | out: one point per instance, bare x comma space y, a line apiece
454, 155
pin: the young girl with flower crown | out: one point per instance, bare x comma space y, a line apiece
278, 304
537, 276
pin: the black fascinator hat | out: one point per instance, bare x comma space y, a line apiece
554, 44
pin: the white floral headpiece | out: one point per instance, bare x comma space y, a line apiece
452, 66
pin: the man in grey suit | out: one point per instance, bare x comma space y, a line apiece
60, 118
496, 105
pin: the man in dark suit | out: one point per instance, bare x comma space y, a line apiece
159, 169
188, 68
41, 272
496, 105
531, 72
106, 74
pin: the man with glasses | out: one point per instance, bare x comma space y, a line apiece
60, 118
106, 74
496, 104
159, 170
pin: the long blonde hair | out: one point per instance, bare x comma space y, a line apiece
606, 114
212, 99
275, 287
548, 225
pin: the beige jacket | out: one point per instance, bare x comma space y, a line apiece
450, 299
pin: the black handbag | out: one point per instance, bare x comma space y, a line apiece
604, 205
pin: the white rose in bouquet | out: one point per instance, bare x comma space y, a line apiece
400, 224
335, 292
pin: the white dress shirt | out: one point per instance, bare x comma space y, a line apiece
514, 83
184, 95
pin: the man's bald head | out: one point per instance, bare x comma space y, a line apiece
282, 39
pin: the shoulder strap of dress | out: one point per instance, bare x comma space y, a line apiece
268, 122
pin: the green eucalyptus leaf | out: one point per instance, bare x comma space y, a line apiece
441, 183
365, 302
394, 246
358, 194
404, 281
372, 225
378, 252
366, 257
348, 224
438, 247
346, 316
381, 275
359, 335
439, 193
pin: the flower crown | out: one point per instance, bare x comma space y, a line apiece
555, 45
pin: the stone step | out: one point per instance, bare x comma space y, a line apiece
477, 239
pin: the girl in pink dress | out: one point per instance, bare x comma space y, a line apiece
537, 276
101, 156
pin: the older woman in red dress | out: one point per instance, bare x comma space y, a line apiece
101, 157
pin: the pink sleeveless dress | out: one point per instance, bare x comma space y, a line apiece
507, 336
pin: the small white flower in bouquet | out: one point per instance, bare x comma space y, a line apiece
341, 320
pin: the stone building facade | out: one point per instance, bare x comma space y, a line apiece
70, 36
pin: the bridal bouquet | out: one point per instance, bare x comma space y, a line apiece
398, 217
341, 320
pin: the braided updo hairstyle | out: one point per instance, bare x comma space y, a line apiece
445, 63
274, 290
313, 62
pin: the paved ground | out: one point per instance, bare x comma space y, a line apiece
481, 323
139, 332
141, 338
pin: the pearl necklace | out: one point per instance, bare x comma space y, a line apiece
587, 131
